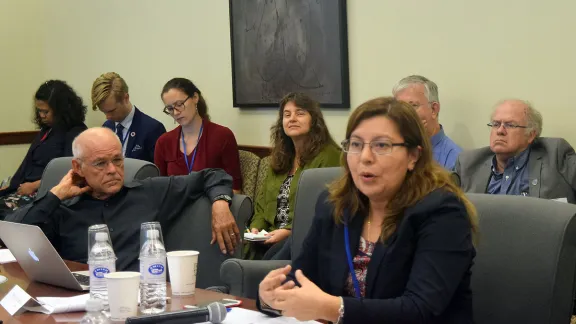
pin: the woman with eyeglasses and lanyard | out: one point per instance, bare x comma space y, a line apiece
392, 238
197, 143
59, 114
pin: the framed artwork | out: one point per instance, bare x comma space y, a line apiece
282, 46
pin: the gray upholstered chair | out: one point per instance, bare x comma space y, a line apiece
193, 231
243, 276
57, 169
526, 260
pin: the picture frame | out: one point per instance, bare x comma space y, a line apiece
281, 46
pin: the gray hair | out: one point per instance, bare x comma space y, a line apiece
430, 88
77, 148
533, 116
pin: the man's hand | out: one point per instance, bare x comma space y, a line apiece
224, 228
28, 188
69, 187
277, 236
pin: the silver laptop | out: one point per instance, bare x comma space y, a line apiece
38, 258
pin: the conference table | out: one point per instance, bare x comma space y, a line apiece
16, 276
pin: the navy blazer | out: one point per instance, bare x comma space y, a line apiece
58, 143
420, 275
143, 134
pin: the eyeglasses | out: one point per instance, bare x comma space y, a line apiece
380, 147
178, 106
497, 124
102, 164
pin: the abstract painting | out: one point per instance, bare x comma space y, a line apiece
282, 46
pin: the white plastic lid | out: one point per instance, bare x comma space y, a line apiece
152, 234
101, 236
94, 305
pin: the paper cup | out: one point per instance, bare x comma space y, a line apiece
123, 294
182, 267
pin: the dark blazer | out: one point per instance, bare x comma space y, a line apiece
551, 169
420, 275
143, 134
58, 143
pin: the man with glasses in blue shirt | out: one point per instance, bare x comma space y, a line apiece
519, 161
422, 94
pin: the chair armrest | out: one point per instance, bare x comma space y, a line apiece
242, 277
242, 210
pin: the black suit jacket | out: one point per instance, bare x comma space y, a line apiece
420, 275
58, 143
143, 134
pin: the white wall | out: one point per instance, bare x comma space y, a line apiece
21, 73
478, 53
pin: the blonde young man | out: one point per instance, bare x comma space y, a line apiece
137, 131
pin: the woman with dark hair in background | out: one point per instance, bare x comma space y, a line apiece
59, 114
300, 140
197, 143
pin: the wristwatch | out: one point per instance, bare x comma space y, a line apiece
226, 198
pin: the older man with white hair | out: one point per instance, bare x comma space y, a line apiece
422, 94
94, 192
519, 161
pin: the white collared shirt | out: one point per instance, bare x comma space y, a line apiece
126, 123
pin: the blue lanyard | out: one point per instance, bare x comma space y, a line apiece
350, 263
189, 165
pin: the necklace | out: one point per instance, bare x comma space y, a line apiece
369, 228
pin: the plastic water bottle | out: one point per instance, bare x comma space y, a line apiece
94, 313
101, 260
152, 274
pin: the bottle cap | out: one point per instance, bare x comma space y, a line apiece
94, 305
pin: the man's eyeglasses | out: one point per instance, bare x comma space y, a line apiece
102, 164
178, 105
381, 147
497, 124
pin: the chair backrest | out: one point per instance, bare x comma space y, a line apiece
312, 183
262, 171
526, 260
249, 163
58, 167
193, 231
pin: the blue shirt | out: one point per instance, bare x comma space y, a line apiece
444, 149
514, 180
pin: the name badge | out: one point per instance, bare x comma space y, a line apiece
16, 300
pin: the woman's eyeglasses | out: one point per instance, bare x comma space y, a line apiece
380, 147
178, 106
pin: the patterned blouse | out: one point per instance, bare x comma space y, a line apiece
361, 261
283, 203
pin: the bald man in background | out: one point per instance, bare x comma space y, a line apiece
519, 161
93, 192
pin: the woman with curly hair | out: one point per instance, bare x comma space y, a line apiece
301, 141
59, 114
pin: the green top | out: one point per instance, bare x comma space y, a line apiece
266, 200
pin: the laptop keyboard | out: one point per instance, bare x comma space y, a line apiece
82, 279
